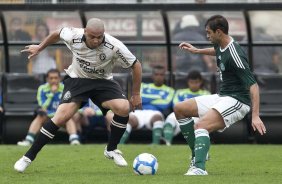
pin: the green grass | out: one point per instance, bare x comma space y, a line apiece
86, 164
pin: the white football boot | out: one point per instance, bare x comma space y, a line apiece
22, 164
24, 143
75, 142
116, 155
196, 171
192, 162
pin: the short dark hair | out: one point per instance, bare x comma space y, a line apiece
157, 67
53, 71
194, 75
218, 22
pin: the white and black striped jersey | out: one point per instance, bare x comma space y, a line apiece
98, 62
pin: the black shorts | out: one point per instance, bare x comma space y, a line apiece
98, 90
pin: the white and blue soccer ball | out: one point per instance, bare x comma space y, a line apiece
145, 164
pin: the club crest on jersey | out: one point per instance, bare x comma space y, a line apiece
67, 95
222, 67
219, 57
102, 56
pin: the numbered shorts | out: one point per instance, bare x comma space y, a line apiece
230, 109
144, 117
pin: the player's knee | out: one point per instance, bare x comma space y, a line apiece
157, 117
197, 126
121, 109
133, 121
201, 125
178, 110
60, 120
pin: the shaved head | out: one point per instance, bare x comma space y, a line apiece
94, 32
95, 25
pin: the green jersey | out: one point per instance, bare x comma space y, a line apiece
235, 74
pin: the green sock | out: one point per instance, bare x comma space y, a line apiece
124, 137
30, 137
202, 146
187, 129
168, 132
157, 133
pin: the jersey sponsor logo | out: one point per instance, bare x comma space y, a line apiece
219, 57
110, 46
83, 62
67, 95
77, 40
122, 57
85, 66
102, 56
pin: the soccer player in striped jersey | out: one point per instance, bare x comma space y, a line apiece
239, 93
95, 53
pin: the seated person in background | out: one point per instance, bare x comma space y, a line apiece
188, 30
265, 59
194, 88
89, 118
16, 33
156, 101
44, 61
48, 97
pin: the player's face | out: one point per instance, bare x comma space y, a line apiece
159, 77
53, 79
93, 38
212, 36
194, 84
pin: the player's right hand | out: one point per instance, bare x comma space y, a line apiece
32, 50
188, 47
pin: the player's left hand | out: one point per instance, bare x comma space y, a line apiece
136, 102
258, 125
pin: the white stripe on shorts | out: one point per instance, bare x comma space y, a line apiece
232, 109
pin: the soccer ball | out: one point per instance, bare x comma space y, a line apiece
145, 164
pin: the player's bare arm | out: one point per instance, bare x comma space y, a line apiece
257, 124
34, 50
135, 100
206, 51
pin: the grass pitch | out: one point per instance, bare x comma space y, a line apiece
87, 164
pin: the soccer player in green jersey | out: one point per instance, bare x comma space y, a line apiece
238, 94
